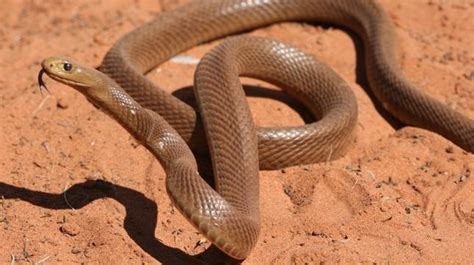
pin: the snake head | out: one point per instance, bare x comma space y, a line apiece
99, 89
69, 72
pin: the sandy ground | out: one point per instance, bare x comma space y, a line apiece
76, 188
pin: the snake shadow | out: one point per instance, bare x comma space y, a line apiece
140, 219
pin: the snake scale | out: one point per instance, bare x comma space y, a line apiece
229, 214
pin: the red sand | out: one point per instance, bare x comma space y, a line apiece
399, 196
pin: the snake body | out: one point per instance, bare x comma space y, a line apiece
229, 216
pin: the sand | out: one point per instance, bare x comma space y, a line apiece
76, 188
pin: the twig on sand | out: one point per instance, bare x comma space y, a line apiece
25, 253
41, 104
372, 175
39, 262
355, 183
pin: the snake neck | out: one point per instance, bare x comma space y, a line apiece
150, 129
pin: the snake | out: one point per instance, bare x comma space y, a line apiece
228, 213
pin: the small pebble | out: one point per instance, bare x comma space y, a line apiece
449, 150
76, 250
469, 76
70, 229
61, 104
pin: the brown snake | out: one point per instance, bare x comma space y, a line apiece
229, 215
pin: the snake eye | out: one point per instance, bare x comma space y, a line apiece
67, 67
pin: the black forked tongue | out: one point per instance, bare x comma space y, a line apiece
41, 84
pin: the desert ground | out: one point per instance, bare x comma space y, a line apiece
75, 187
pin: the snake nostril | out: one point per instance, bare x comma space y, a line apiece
51, 65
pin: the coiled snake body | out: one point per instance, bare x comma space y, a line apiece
229, 215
